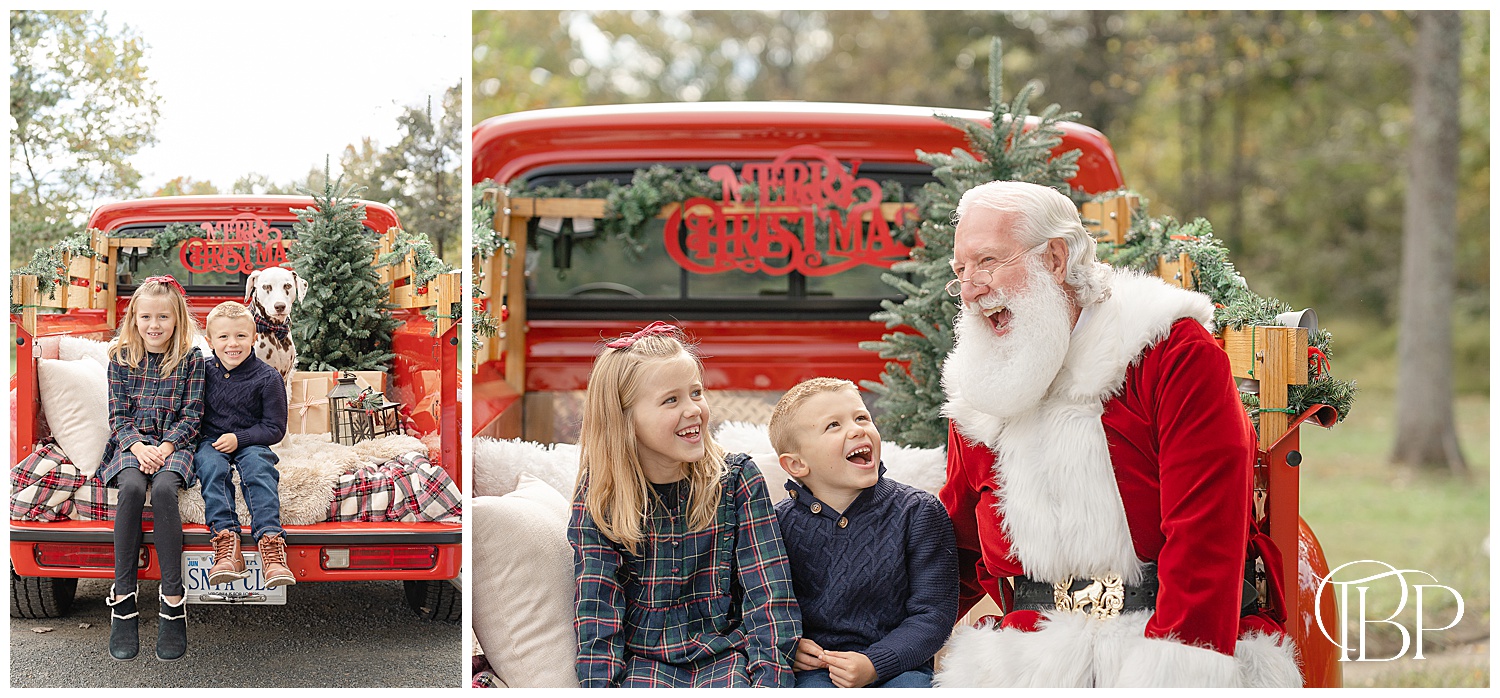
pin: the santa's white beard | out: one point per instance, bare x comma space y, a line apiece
1007, 376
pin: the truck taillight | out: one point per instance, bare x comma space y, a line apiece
80, 555
396, 557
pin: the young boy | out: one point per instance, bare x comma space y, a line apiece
874, 562
244, 413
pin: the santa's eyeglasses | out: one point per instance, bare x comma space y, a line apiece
983, 277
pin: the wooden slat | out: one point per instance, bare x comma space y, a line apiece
515, 303
1250, 348
1113, 215
1276, 357
449, 293
1179, 271
23, 292
112, 292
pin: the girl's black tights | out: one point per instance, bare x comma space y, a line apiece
166, 528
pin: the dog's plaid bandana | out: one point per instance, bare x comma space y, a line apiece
264, 325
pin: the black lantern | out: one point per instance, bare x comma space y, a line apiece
338, 421
368, 416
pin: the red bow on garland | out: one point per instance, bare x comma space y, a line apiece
654, 329
168, 280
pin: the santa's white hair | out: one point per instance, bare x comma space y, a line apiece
1042, 213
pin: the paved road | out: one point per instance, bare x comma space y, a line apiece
347, 634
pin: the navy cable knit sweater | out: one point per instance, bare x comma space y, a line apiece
884, 583
248, 401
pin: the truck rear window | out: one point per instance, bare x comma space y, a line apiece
137, 264
572, 272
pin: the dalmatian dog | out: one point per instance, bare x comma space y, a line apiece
270, 293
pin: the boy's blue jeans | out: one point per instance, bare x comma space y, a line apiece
920, 677
258, 482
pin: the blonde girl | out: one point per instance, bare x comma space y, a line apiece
155, 402
682, 576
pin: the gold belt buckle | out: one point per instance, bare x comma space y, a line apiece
1101, 599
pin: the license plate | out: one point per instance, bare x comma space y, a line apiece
250, 590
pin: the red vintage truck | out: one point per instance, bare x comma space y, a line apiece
48, 557
769, 313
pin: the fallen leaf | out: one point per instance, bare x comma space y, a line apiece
41, 630
83, 626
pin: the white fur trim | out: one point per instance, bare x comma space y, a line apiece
1061, 508
1148, 662
1059, 501
1074, 650
1267, 661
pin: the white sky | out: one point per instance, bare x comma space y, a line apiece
274, 91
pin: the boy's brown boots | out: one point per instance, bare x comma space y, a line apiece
273, 560
229, 562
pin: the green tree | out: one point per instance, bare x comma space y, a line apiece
420, 175
184, 186
345, 321
83, 104
525, 59
912, 394
257, 183
1425, 433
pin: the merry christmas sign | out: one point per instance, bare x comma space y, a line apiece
810, 215
239, 245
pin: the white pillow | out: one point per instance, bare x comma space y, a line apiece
75, 399
523, 586
71, 348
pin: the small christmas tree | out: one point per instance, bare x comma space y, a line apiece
345, 321
1008, 150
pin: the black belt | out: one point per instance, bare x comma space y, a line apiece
1093, 595
1102, 597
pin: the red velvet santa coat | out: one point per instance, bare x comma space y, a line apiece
1139, 451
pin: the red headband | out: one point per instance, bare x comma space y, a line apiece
168, 280
654, 329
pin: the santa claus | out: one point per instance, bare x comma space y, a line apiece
1099, 467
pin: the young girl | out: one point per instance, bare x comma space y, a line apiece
682, 576
155, 402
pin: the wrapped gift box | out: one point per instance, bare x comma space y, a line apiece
308, 411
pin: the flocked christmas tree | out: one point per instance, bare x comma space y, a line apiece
1009, 149
344, 323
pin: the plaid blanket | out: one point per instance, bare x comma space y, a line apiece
407, 488
95, 502
42, 485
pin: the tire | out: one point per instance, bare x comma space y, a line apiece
434, 599
41, 597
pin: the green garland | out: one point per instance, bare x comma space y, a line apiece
426, 265
47, 263
1151, 239
485, 324
487, 240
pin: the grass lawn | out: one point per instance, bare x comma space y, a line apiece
1362, 508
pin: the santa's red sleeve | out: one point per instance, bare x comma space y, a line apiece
1206, 454
969, 469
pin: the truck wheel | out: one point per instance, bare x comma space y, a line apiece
434, 599
40, 597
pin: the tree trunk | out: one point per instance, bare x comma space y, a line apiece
1425, 434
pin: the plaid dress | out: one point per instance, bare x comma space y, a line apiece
711, 608
145, 406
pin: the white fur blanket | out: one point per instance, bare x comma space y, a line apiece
499, 464
310, 467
